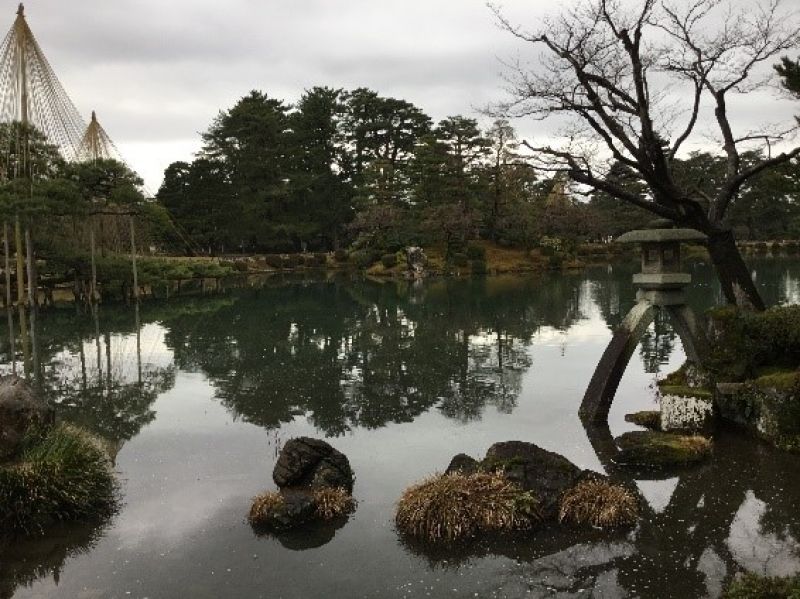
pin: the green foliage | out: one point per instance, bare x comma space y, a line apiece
476, 251
341, 255
63, 474
745, 342
459, 260
479, 267
364, 258
753, 586
389, 260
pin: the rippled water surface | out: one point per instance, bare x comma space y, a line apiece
400, 377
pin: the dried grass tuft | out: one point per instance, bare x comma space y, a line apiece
264, 508
457, 506
62, 474
332, 502
600, 504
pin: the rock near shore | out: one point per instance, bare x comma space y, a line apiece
20, 410
312, 463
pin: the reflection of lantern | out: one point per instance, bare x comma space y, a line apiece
660, 286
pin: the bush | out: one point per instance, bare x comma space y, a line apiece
240, 266
292, 260
761, 247
363, 258
776, 248
476, 252
341, 256
64, 474
457, 506
274, 260
389, 260
459, 260
320, 259
600, 504
479, 267
745, 342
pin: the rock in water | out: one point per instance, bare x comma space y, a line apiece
464, 464
312, 463
20, 410
543, 472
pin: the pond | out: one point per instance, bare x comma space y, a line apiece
400, 377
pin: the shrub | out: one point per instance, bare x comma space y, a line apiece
265, 508
459, 260
598, 503
320, 259
761, 247
64, 474
776, 247
332, 502
274, 260
476, 252
389, 260
752, 586
457, 506
292, 260
363, 258
240, 266
479, 267
341, 256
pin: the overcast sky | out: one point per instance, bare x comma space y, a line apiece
158, 71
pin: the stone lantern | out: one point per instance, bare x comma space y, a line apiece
660, 286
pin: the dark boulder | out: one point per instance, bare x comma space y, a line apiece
312, 463
463, 464
20, 410
542, 472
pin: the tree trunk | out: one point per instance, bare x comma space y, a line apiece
734, 276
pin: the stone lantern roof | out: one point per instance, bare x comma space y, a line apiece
661, 231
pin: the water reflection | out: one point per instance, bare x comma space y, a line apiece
389, 364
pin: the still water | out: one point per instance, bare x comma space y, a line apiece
400, 377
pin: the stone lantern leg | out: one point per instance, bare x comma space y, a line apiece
660, 287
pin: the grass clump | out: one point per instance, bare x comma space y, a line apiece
752, 586
598, 503
332, 502
60, 475
645, 448
265, 508
455, 506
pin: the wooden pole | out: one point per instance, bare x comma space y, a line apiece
133, 261
20, 261
32, 287
93, 290
12, 338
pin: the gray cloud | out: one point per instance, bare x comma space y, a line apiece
157, 72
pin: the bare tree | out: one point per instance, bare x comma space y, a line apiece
624, 68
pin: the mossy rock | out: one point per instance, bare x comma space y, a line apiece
684, 391
649, 419
752, 586
656, 450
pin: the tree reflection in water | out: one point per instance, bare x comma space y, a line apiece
348, 354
